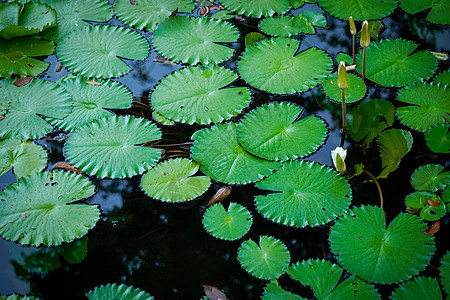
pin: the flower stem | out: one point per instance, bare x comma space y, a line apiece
364, 64
344, 117
377, 184
353, 49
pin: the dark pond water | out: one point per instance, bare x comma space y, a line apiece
162, 248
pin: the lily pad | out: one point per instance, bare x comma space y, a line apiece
445, 273
438, 13
158, 118
360, 10
286, 26
365, 247
272, 132
420, 201
37, 209
257, 8
97, 51
268, 260
430, 105
391, 62
393, 144
272, 291
273, 65
110, 147
355, 91
117, 292
306, 194
149, 13
443, 78
173, 180
222, 158
438, 138
195, 40
28, 103
252, 38
25, 157
345, 58
430, 178
17, 297
231, 224
197, 95
418, 288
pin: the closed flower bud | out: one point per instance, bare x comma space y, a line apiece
352, 25
365, 35
338, 156
342, 76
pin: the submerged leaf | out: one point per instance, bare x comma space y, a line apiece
117, 292
418, 288
257, 8
430, 178
25, 157
438, 138
360, 10
393, 144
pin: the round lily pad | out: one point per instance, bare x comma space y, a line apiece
268, 260
430, 178
257, 8
418, 288
110, 147
274, 132
273, 65
354, 92
231, 224
97, 51
117, 292
25, 158
197, 95
306, 194
360, 10
438, 138
365, 247
393, 145
37, 209
173, 180
194, 40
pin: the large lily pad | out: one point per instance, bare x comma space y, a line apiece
194, 40
364, 246
37, 209
391, 62
110, 147
355, 91
27, 104
438, 138
25, 158
274, 132
360, 10
393, 144
97, 51
274, 65
430, 178
117, 292
306, 194
257, 8
418, 288
197, 95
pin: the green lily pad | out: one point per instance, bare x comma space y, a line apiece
266, 261
285, 26
110, 147
430, 178
158, 118
272, 132
173, 180
306, 194
257, 8
27, 104
197, 95
25, 157
97, 51
16, 56
117, 292
149, 13
369, 118
274, 66
195, 40
355, 91
360, 10
36, 210
17, 297
345, 58
17, 19
391, 62
252, 38
222, 158
430, 105
393, 145
91, 101
439, 13
443, 78
354, 288
438, 138
4, 105
272, 291
419, 201
231, 224
445, 273
418, 288
297, 3
365, 247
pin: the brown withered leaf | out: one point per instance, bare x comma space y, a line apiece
66, 166
220, 195
214, 293
45, 12
58, 67
216, 7
2, 117
93, 82
133, 2
174, 13
203, 11
22, 81
433, 203
433, 228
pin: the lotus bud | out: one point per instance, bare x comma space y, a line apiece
338, 156
440, 56
342, 76
352, 25
365, 35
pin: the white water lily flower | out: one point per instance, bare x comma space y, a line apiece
338, 156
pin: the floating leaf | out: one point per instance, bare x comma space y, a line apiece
445, 273
286, 26
257, 8
443, 78
431, 105
157, 117
197, 95
360, 10
110, 147
391, 62
430, 178
367, 120
274, 292
17, 297
97, 51
222, 158
365, 247
312, 18
252, 38
438, 13
354, 288
345, 58
149, 13
173, 180
117, 292
438, 138
27, 104
355, 90
194, 40
36, 210
420, 201
393, 144
25, 157
231, 224
274, 65
307, 194
418, 288
272, 132
297, 3
266, 261
91, 101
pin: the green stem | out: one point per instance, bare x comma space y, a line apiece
364, 64
353, 50
344, 117
377, 184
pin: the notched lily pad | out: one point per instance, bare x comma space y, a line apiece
430, 177
418, 288
438, 138
355, 91
429, 206
438, 13
25, 158
230, 224
286, 26
393, 145
257, 8
273, 291
360, 10
117, 291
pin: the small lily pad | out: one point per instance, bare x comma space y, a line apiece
117, 292
272, 291
438, 138
443, 78
25, 158
421, 200
345, 58
393, 145
257, 8
286, 26
418, 288
355, 91
360, 10
430, 178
